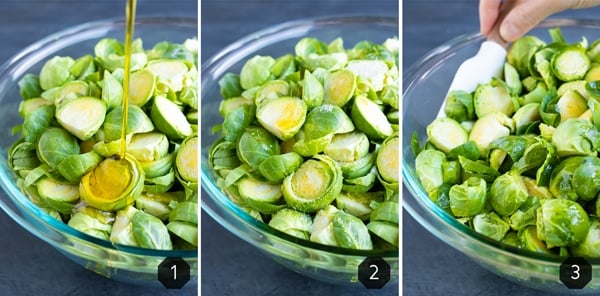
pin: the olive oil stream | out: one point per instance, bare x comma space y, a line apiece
129, 26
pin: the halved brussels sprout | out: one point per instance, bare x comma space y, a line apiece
292, 222
112, 90
36, 122
276, 167
148, 146
322, 229
373, 72
169, 119
348, 146
571, 105
57, 195
55, 72
161, 183
570, 63
150, 232
359, 167
493, 97
590, 246
489, 128
73, 167
137, 122
527, 118
82, 117
258, 193
272, 89
312, 90
387, 159
350, 232
339, 87
387, 231
561, 222
113, 184
158, 204
459, 106
282, 116
369, 118
55, 145
519, 52
255, 145
256, 71
512, 79
529, 240
22, 157
326, 120
141, 87
525, 214
313, 53
122, 228
237, 120
90, 225
110, 54
507, 193
358, 204
490, 225
576, 136
186, 159
170, 72
314, 185
428, 165
469, 198
446, 133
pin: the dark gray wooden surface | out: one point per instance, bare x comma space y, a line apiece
29, 266
230, 266
430, 266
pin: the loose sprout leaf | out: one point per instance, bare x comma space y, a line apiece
150, 232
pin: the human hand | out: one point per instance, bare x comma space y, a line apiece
511, 19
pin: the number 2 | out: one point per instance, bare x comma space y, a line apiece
575, 272
174, 269
373, 277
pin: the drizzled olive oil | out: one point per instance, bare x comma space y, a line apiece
129, 26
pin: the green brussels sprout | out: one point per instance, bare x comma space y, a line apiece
446, 133
428, 165
322, 229
525, 215
490, 225
519, 53
350, 232
370, 119
142, 84
272, 89
110, 54
358, 204
469, 198
459, 106
561, 180
113, 184
29, 86
137, 122
493, 97
82, 117
348, 146
171, 73
570, 63
359, 167
313, 53
122, 228
489, 128
229, 86
373, 72
506, 150
236, 120
169, 119
22, 157
576, 136
339, 87
292, 222
312, 90
326, 120
55, 72
282, 116
284, 65
55, 145
37, 121
315, 184
527, 118
148, 146
260, 195
507, 193
256, 71
74, 167
561, 222
276, 167
255, 145
150, 232
90, 225
512, 79
590, 246
158, 204
112, 90
57, 195
529, 240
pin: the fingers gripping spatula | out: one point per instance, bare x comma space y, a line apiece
479, 69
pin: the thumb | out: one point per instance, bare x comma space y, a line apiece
527, 14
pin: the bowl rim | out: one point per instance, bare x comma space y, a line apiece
38, 48
418, 195
226, 56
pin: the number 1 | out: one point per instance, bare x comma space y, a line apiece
174, 269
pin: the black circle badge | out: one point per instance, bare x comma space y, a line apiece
374, 272
173, 272
575, 272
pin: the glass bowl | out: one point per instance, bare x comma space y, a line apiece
325, 263
127, 264
424, 87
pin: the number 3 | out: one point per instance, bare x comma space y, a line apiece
373, 277
575, 272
